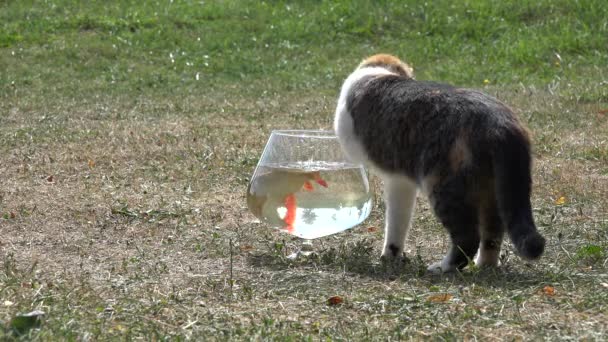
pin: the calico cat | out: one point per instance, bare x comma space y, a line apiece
465, 150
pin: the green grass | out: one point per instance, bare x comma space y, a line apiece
126, 46
129, 131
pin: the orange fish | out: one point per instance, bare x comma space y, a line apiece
317, 178
291, 202
307, 186
279, 187
290, 216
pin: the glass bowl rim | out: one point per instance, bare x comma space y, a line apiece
306, 133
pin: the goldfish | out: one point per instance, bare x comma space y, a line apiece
278, 188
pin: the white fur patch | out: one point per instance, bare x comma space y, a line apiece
400, 197
487, 257
443, 266
343, 122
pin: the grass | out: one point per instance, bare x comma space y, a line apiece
128, 131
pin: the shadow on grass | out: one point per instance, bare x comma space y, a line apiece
361, 258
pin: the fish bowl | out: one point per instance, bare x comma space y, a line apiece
305, 186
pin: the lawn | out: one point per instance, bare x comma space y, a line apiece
129, 131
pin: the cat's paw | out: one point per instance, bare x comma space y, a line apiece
487, 258
441, 267
390, 259
392, 251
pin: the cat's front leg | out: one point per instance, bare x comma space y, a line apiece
400, 200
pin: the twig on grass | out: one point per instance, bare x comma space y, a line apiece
231, 270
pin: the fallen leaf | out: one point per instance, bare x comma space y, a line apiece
91, 163
372, 229
560, 200
335, 300
50, 179
12, 215
549, 290
246, 248
439, 298
120, 328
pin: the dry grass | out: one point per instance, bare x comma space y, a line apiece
123, 176
132, 235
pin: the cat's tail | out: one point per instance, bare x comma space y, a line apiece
512, 171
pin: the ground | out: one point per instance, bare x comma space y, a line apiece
129, 131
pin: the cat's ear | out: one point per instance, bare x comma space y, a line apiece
390, 63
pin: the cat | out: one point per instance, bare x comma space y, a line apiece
465, 150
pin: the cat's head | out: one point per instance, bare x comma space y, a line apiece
390, 63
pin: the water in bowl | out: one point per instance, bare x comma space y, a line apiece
310, 199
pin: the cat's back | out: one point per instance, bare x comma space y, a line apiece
391, 103
394, 92
397, 93
401, 122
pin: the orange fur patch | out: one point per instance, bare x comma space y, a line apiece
382, 59
460, 154
390, 62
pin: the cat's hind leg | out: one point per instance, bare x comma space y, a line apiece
460, 219
491, 229
400, 200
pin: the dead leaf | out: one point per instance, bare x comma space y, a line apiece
91, 163
50, 179
335, 300
12, 215
561, 200
549, 290
120, 328
372, 229
439, 298
246, 248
